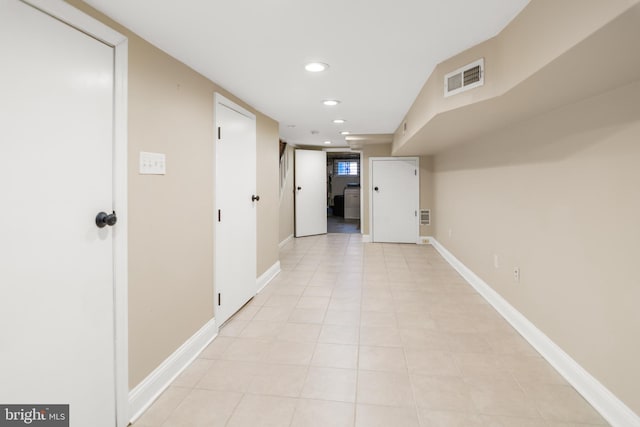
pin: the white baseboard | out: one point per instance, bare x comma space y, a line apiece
366, 238
606, 403
145, 393
268, 276
285, 241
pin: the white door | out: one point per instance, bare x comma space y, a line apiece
236, 201
56, 174
395, 198
310, 192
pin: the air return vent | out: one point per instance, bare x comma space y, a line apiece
464, 78
425, 216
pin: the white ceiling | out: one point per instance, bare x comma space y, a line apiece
380, 52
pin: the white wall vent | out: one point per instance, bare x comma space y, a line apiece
425, 216
464, 78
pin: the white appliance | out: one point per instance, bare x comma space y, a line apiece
352, 203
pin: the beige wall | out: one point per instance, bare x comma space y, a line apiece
268, 186
170, 227
171, 217
557, 196
517, 62
286, 199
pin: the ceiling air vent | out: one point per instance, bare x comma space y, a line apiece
425, 216
464, 78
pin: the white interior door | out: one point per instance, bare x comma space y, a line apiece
395, 199
236, 200
311, 192
56, 174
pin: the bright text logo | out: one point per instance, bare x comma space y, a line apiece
34, 415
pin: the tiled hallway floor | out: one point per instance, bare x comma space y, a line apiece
338, 224
353, 334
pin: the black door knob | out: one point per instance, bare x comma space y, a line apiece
104, 219
255, 198
375, 188
299, 188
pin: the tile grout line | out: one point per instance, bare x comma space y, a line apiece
413, 391
299, 398
355, 398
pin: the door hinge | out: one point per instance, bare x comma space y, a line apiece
219, 298
415, 213
219, 132
415, 172
219, 215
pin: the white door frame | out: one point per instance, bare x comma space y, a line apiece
370, 190
66, 13
361, 159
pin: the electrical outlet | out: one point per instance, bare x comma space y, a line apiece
496, 261
516, 274
425, 240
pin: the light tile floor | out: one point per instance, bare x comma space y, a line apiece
338, 224
352, 334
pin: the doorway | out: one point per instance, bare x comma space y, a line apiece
310, 192
235, 206
343, 192
395, 199
63, 257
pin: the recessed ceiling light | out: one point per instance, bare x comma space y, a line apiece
327, 142
345, 132
316, 67
331, 102
339, 121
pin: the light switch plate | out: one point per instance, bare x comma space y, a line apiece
152, 163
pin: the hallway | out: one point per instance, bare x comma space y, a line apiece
353, 334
